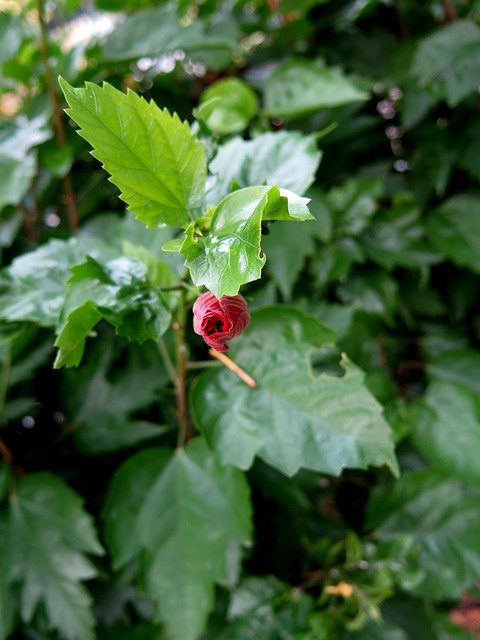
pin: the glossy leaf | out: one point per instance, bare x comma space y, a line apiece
293, 419
153, 158
284, 158
447, 62
447, 430
300, 87
47, 535
230, 255
186, 516
227, 106
442, 516
121, 293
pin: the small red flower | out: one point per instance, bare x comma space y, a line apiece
219, 319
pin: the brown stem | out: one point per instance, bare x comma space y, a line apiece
185, 432
243, 375
68, 195
5, 452
449, 11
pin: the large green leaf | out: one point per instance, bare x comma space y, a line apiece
227, 106
293, 418
152, 157
284, 158
33, 287
447, 62
118, 291
230, 254
300, 87
186, 516
47, 534
447, 430
443, 517
159, 31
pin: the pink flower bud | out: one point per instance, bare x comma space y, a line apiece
219, 319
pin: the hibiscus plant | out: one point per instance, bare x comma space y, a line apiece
239, 320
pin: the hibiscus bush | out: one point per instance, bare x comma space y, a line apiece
239, 320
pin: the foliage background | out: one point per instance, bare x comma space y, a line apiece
387, 93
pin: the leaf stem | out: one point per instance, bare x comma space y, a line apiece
185, 432
68, 194
167, 361
243, 375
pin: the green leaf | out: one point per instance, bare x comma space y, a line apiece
373, 291
284, 158
227, 106
159, 31
33, 286
187, 517
47, 534
4, 481
355, 202
300, 87
153, 158
118, 291
454, 230
447, 430
293, 418
443, 517
17, 175
456, 365
7, 610
101, 402
230, 255
447, 62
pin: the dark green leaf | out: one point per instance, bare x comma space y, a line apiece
447, 62
447, 430
454, 230
187, 516
293, 419
443, 517
47, 534
299, 87
153, 158
227, 106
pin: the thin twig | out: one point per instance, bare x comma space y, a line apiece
68, 195
185, 432
167, 361
243, 375
5, 452
449, 11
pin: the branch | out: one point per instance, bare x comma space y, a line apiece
449, 10
243, 375
68, 195
185, 432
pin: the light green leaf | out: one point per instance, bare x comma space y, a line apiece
155, 32
153, 158
17, 176
300, 87
285, 158
454, 230
230, 255
118, 291
447, 430
447, 62
443, 517
293, 418
227, 106
187, 517
47, 534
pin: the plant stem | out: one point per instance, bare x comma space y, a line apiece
167, 361
185, 432
5, 452
243, 375
68, 195
202, 364
449, 11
